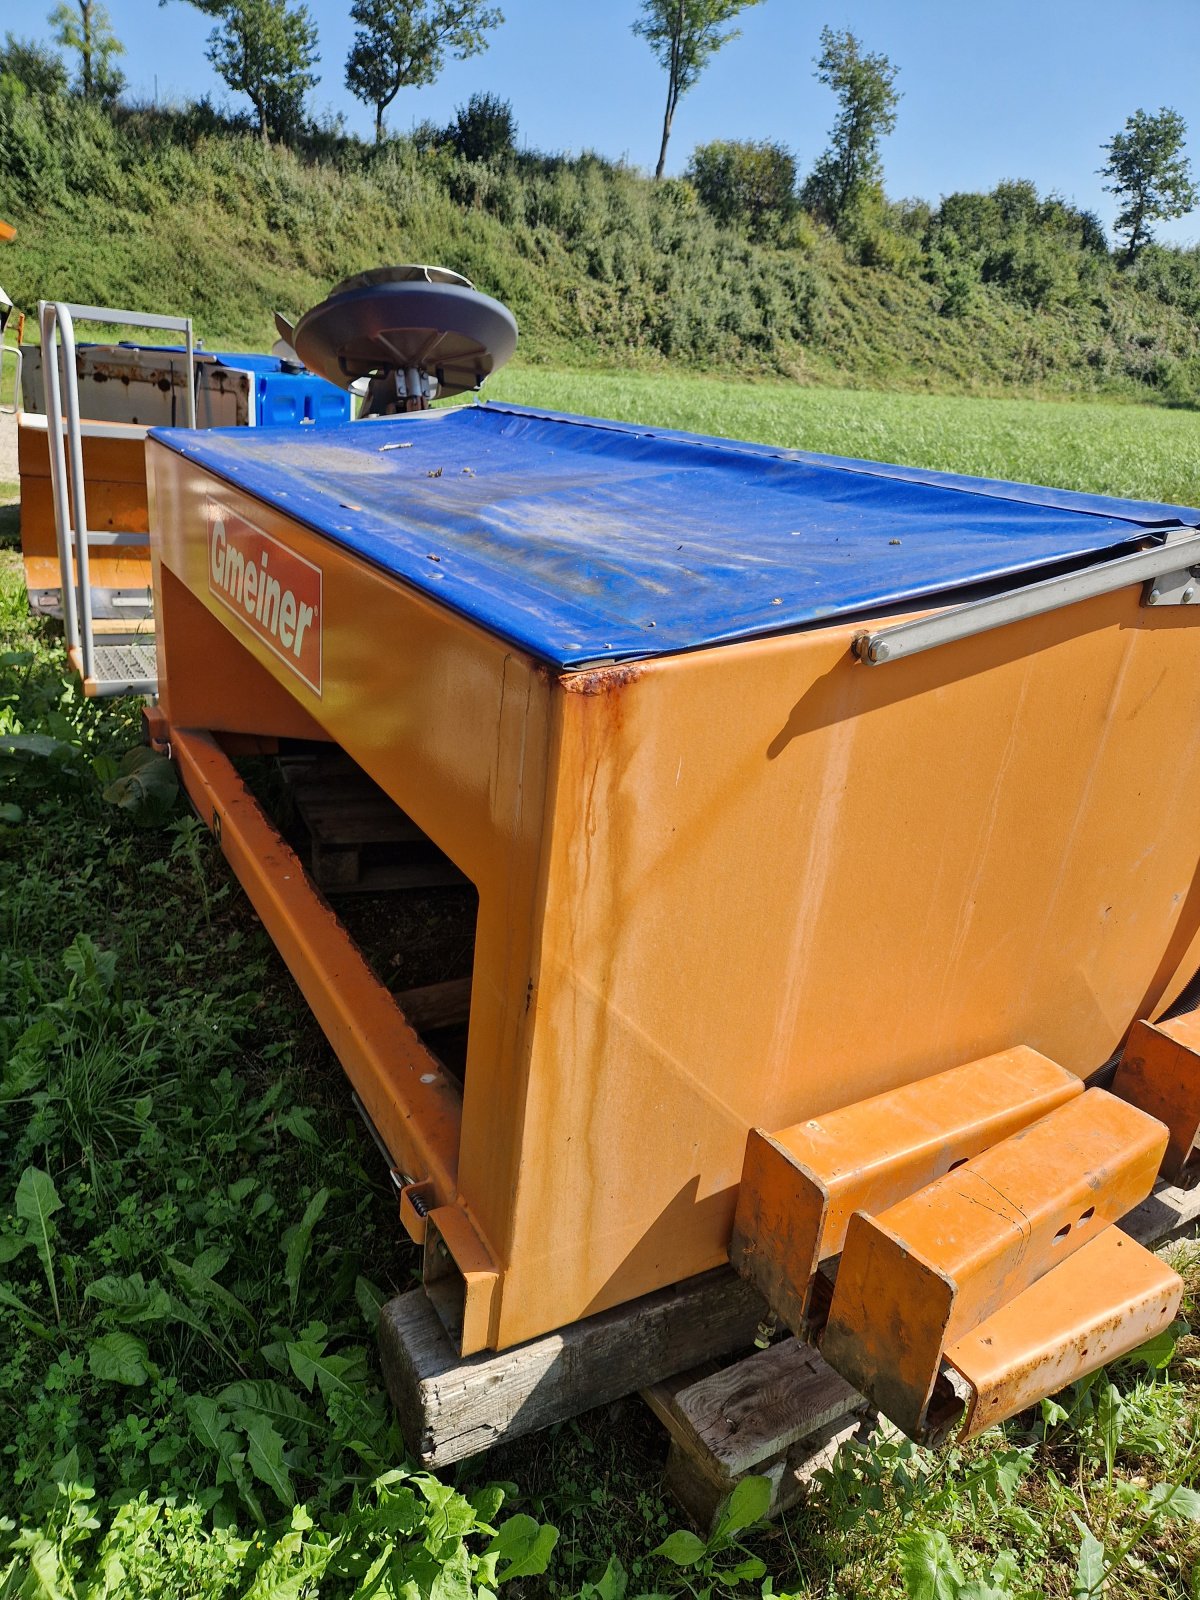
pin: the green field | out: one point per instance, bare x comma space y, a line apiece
1139, 452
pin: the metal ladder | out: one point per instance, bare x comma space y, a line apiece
106, 669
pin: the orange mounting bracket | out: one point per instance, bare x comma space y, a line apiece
949, 1274
1160, 1072
801, 1187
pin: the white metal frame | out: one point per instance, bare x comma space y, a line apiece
56, 320
18, 356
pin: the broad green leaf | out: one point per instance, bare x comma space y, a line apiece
265, 1455
748, 1571
37, 1201
15, 1303
371, 1300
1110, 1411
299, 1239
23, 1071
333, 1374
451, 1581
1089, 1568
10, 812
486, 1502
745, 1506
683, 1548
39, 746
1156, 1353
210, 1427
119, 1357
271, 1399
145, 786
132, 1298
525, 1546
613, 1582
1174, 1502
206, 1289
93, 967
928, 1565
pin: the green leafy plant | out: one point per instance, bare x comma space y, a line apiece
721, 1560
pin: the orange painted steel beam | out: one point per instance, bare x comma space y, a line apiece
407, 1095
1103, 1301
927, 1271
1160, 1072
800, 1187
7, 231
460, 1278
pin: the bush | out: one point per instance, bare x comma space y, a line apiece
1039, 251
745, 184
484, 130
37, 69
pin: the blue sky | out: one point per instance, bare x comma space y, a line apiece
1015, 89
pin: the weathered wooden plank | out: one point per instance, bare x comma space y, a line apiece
354, 818
699, 1487
751, 1411
382, 877
437, 1005
780, 1412
1168, 1212
450, 1407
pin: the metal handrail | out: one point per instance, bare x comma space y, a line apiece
56, 320
18, 356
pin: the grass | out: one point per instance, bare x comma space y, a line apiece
195, 1233
1135, 451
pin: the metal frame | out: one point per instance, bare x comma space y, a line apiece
18, 356
56, 320
1035, 600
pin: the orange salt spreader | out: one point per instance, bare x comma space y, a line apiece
833, 827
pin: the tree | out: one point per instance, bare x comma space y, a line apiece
264, 50
402, 44
41, 71
684, 34
744, 182
484, 130
1150, 175
850, 171
85, 26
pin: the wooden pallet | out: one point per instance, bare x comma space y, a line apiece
730, 1410
362, 843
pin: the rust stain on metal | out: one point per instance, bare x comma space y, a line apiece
601, 680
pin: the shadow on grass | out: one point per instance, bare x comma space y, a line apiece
10, 527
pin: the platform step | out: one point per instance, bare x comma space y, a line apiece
800, 1187
925, 1274
1160, 1072
122, 669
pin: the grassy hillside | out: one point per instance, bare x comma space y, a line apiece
602, 267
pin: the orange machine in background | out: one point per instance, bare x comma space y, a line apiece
110, 395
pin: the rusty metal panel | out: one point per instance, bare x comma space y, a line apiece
931, 1268
1099, 1304
801, 1186
1160, 1072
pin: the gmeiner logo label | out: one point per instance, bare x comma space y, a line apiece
269, 588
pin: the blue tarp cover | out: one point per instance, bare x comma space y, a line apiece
587, 541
